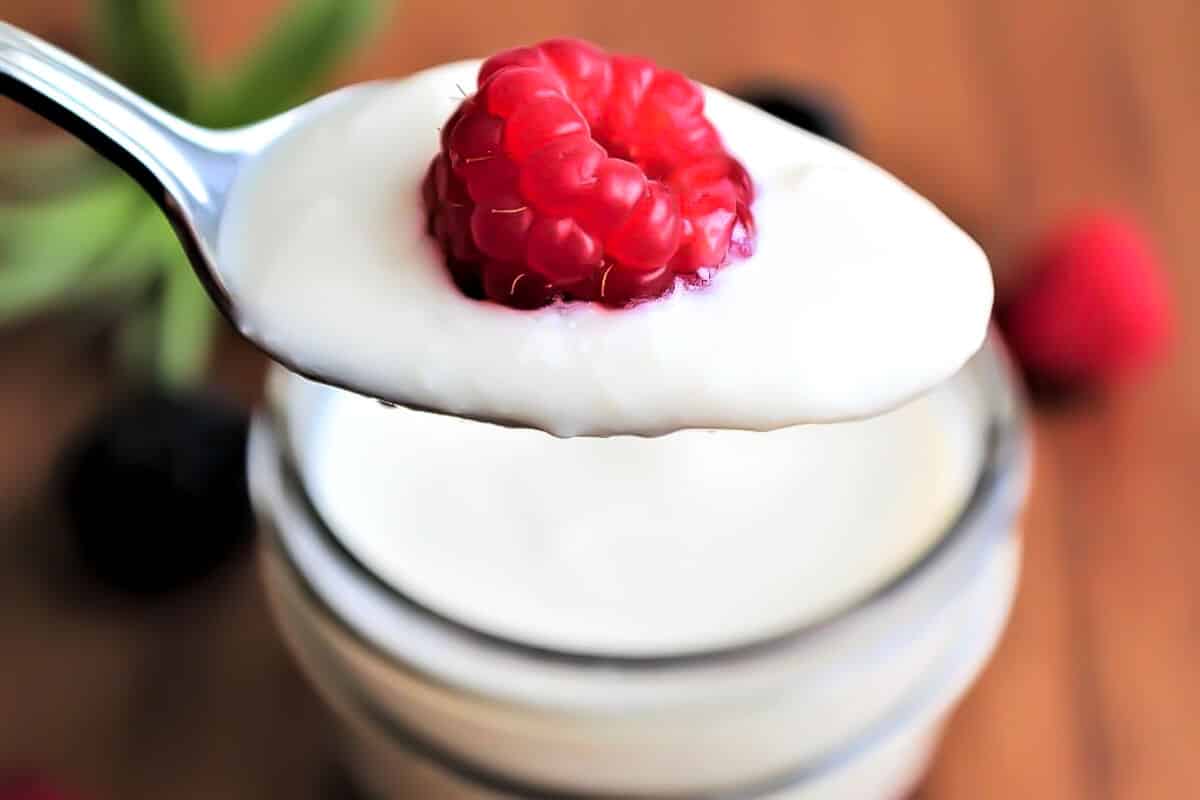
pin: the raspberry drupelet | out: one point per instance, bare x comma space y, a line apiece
577, 175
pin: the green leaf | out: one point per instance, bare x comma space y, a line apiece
144, 43
45, 248
137, 338
36, 169
132, 265
186, 328
306, 41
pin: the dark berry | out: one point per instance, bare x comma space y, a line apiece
815, 112
155, 491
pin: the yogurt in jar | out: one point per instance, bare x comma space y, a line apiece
788, 614
695, 541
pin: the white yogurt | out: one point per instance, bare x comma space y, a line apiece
860, 296
636, 546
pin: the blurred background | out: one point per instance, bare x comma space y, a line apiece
1013, 115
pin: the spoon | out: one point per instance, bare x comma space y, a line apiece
188, 170
873, 299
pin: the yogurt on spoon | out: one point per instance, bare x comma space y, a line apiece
859, 296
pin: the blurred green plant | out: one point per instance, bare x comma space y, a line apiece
75, 231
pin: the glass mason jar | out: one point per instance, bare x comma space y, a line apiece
846, 708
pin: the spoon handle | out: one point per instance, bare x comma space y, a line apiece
161, 150
185, 168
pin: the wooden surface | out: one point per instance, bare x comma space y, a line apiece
1009, 113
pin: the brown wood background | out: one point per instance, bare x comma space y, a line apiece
1009, 113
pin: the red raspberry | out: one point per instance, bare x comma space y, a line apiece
575, 175
1096, 307
27, 788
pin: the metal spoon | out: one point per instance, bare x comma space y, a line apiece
187, 169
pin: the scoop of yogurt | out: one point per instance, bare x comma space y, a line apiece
860, 295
